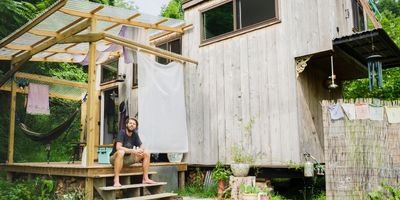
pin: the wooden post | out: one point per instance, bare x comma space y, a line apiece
91, 106
83, 121
181, 180
89, 188
12, 121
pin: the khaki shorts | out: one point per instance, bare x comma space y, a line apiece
128, 159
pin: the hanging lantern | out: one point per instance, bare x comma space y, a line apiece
308, 166
374, 71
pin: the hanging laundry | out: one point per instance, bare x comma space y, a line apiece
38, 99
393, 114
349, 110
362, 111
336, 112
375, 112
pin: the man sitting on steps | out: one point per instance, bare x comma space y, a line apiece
128, 149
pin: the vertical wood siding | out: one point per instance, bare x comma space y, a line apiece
252, 78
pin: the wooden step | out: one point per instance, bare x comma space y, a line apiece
108, 188
121, 174
153, 196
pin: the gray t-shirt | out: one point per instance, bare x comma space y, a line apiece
127, 142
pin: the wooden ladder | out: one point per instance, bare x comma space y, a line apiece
131, 191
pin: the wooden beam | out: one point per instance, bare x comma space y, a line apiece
12, 122
161, 21
50, 50
91, 101
43, 33
32, 23
89, 37
51, 80
148, 49
371, 15
117, 24
161, 35
121, 21
51, 94
18, 61
50, 55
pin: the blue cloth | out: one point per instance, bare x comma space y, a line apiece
336, 112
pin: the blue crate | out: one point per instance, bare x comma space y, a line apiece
104, 155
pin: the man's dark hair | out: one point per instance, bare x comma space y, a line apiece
131, 118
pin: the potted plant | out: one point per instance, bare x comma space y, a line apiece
251, 192
220, 174
241, 161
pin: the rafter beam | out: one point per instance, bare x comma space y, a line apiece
32, 23
121, 21
117, 24
18, 61
51, 94
43, 33
88, 37
50, 50
51, 80
165, 34
148, 49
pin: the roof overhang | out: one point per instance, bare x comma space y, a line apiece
364, 44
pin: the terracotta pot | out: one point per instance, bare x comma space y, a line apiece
221, 188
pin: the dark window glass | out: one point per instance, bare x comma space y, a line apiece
218, 21
249, 12
109, 71
358, 16
135, 75
172, 46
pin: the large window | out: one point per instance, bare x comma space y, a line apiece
235, 15
172, 46
358, 16
109, 71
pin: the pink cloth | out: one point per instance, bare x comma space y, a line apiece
38, 99
362, 111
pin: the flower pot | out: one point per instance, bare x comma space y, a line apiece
240, 169
175, 157
221, 188
249, 196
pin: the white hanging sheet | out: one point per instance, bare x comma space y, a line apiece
162, 114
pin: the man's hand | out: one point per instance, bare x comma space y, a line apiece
138, 152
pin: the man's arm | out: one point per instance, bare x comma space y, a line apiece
138, 152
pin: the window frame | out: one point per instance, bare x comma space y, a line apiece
357, 18
101, 72
168, 47
235, 32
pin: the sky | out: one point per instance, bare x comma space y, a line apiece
152, 7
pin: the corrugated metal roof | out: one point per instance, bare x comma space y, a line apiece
363, 44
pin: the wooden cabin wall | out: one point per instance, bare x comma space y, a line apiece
252, 77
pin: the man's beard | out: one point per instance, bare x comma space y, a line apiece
130, 129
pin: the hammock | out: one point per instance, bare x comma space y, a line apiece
52, 134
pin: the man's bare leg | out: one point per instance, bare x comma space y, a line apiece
118, 164
146, 165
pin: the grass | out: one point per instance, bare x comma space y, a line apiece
199, 191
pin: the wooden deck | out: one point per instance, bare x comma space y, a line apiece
77, 170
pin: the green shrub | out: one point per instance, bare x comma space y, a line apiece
220, 172
38, 189
386, 191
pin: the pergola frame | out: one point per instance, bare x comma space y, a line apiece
68, 34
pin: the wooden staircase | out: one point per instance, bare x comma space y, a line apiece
128, 190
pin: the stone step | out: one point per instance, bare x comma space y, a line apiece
141, 185
121, 174
153, 196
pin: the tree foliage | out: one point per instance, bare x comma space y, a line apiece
173, 10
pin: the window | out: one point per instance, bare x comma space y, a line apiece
135, 76
358, 16
235, 15
109, 71
172, 46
